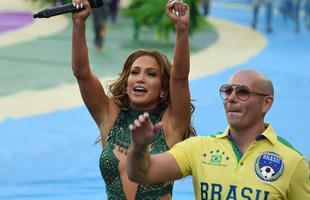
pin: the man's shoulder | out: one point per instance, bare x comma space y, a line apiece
288, 147
281, 144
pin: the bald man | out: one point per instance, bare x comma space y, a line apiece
245, 161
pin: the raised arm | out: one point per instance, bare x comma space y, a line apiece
91, 89
141, 166
179, 112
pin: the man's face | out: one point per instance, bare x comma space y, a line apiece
243, 113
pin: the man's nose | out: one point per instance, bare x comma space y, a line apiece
232, 96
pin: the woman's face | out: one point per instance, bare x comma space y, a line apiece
144, 83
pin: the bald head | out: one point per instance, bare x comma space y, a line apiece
253, 79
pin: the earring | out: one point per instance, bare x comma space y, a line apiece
161, 95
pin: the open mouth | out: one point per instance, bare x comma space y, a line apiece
139, 90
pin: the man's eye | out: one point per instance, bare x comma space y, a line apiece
228, 91
243, 91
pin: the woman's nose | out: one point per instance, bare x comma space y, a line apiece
141, 78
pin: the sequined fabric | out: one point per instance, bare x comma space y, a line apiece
119, 137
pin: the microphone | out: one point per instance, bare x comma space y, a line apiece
62, 9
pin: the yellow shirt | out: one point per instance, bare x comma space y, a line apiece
270, 169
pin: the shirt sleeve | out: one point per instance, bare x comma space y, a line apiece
182, 153
300, 182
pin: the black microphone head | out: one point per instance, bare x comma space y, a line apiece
36, 15
95, 3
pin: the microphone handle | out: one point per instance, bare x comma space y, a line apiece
58, 10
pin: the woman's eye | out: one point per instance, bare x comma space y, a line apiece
134, 72
152, 74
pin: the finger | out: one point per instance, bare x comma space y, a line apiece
158, 126
185, 8
146, 115
85, 2
175, 11
141, 118
137, 123
180, 7
79, 4
76, 3
171, 2
171, 5
131, 127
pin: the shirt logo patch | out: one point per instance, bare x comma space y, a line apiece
215, 157
269, 166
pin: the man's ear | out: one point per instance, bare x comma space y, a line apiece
268, 101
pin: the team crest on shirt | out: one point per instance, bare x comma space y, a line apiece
269, 166
215, 157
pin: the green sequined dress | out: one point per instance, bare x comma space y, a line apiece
119, 137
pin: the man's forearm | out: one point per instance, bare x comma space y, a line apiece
138, 161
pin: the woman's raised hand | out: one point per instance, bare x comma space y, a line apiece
82, 14
178, 12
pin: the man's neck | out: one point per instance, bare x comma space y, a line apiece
243, 137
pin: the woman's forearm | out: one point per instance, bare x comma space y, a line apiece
80, 62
